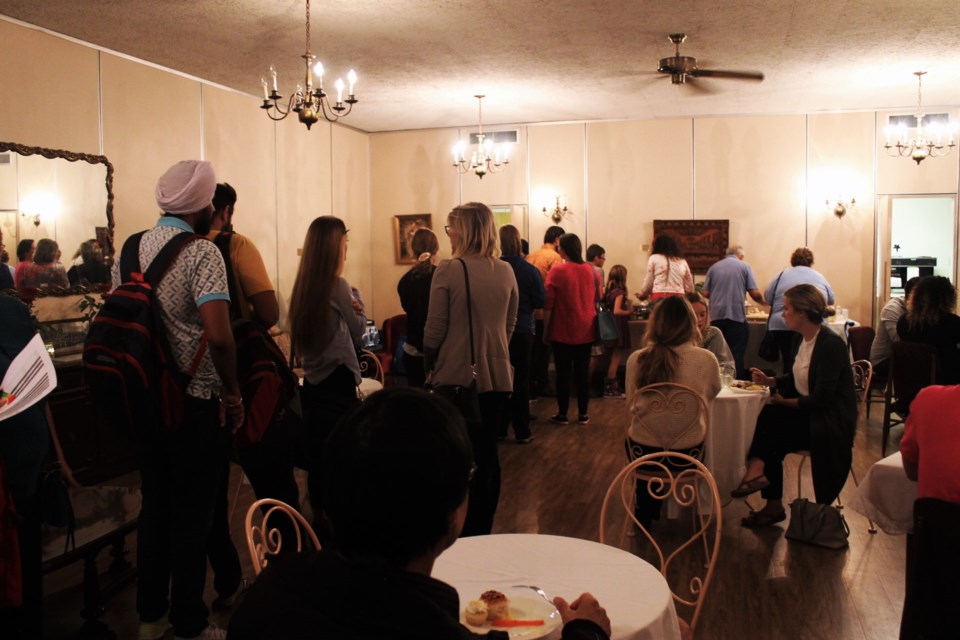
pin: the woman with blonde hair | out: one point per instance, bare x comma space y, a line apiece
812, 407
711, 338
472, 313
670, 354
326, 323
414, 291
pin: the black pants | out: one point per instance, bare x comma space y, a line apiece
323, 406
485, 490
521, 345
220, 548
577, 357
26, 621
416, 376
539, 363
737, 334
180, 472
780, 430
786, 341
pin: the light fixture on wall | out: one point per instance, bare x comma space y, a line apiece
307, 102
927, 142
486, 157
40, 204
558, 212
841, 208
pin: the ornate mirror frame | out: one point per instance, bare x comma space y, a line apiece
71, 156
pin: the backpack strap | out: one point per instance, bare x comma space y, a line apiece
130, 257
222, 240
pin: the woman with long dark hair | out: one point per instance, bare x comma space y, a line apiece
493, 301
532, 296
414, 291
617, 300
930, 319
812, 407
570, 318
326, 323
44, 271
667, 272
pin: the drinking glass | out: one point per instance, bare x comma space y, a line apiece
727, 374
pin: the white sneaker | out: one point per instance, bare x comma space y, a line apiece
153, 630
213, 632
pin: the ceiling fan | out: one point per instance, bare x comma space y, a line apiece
680, 68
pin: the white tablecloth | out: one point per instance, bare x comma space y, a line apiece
886, 496
733, 419
839, 326
632, 591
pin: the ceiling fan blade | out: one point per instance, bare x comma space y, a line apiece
704, 88
732, 75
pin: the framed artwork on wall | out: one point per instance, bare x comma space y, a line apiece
404, 226
702, 242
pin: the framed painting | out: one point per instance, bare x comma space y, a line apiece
702, 242
404, 226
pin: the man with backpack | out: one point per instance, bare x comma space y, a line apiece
181, 459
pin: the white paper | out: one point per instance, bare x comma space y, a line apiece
29, 379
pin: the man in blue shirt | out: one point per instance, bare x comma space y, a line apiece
728, 281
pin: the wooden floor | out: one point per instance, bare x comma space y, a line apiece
764, 587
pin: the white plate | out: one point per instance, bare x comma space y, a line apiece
742, 390
524, 607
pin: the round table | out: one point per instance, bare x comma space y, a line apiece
632, 591
886, 496
733, 419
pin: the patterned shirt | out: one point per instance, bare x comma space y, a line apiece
196, 277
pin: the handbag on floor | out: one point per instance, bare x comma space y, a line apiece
465, 398
769, 349
817, 524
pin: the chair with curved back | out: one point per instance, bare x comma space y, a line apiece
371, 373
668, 413
393, 328
913, 366
685, 479
264, 541
860, 339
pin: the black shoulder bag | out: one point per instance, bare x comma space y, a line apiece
465, 398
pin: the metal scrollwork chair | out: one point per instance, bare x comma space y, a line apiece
265, 542
687, 481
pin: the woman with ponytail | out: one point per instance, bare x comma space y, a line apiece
414, 291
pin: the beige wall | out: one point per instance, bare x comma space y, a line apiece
151, 118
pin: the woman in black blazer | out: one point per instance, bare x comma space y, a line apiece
813, 407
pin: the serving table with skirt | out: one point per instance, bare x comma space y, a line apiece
632, 591
886, 496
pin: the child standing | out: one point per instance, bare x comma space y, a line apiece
617, 300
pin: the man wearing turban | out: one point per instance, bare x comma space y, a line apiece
180, 466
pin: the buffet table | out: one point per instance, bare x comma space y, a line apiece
886, 496
632, 591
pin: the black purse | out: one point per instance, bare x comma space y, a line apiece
56, 509
465, 398
818, 524
606, 324
769, 349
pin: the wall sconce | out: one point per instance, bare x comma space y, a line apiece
841, 208
40, 203
558, 212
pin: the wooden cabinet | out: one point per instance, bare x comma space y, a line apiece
95, 451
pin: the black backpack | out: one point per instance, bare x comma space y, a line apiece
267, 383
127, 362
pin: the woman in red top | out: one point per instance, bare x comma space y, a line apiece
570, 318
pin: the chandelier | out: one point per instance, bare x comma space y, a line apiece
307, 102
481, 161
927, 141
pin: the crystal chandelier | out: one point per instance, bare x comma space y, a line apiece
307, 102
486, 157
927, 141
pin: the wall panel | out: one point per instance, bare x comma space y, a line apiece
557, 165
351, 201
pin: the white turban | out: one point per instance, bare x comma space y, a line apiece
186, 187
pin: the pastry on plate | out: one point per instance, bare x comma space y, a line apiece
476, 612
498, 606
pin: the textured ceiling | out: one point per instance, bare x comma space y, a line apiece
421, 61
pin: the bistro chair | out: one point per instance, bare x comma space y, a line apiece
862, 379
913, 366
860, 339
669, 412
686, 480
265, 541
371, 373
394, 328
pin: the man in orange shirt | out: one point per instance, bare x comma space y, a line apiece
543, 259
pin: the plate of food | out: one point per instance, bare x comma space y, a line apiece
746, 386
520, 612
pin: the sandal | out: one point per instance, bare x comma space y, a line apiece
761, 519
750, 486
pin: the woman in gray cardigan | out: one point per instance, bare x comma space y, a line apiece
446, 342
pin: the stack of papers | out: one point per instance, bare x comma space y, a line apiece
29, 379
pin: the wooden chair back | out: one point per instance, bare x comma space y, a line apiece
860, 339
264, 541
687, 481
370, 365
